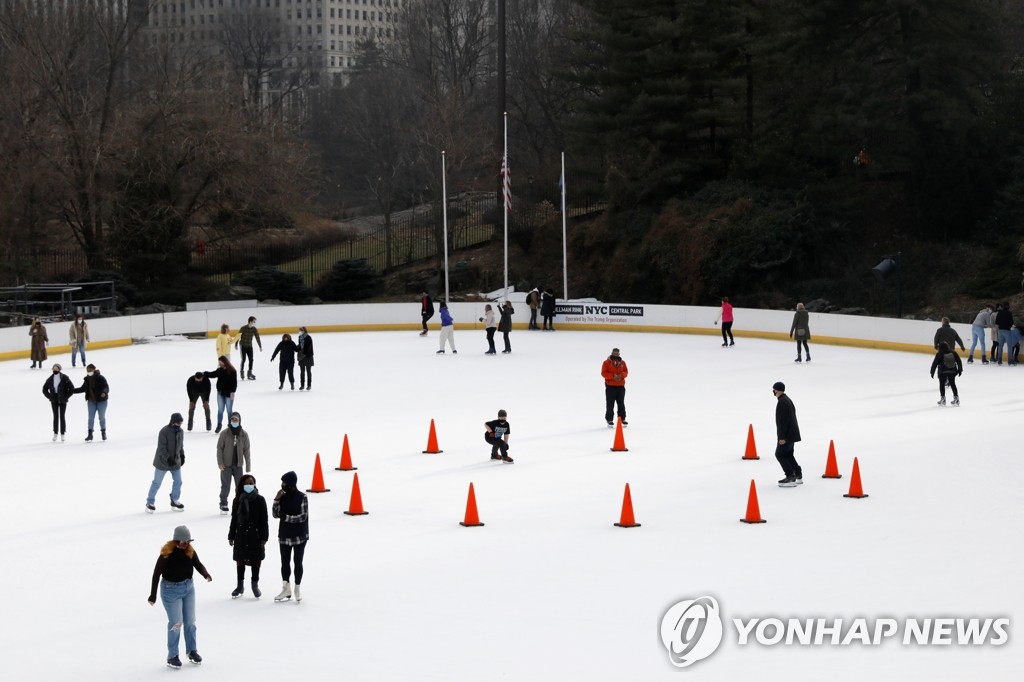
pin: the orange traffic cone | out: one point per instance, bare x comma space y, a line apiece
620, 442
346, 458
355, 504
831, 468
318, 479
472, 518
432, 448
855, 488
753, 510
751, 451
626, 519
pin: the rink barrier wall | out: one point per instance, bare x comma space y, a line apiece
272, 321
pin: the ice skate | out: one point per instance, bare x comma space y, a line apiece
238, 591
177, 506
174, 662
506, 459
88, 438
798, 359
150, 508
956, 400
788, 482
942, 401
255, 585
298, 594
285, 593
194, 657
103, 434
224, 510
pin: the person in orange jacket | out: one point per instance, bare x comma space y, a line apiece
614, 371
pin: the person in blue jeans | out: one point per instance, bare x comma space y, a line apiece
170, 456
96, 390
227, 384
981, 321
175, 565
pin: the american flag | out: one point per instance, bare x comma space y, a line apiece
506, 183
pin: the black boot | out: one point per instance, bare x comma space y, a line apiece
238, 591
103, 432
89, 437
255, 584
191, 414
209, 423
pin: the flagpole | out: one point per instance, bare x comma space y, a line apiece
444, 213
565, 258
505, 201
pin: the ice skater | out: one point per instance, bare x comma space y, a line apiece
287, 348
227, 384
614, 371
948, 363
490, 326
801, 331
505, 324
788, 432
232, 453
37, 333
198, 389
547, 309
96, 390
58, 389
248, 534
169, 457
447, 329
496, 434
292, 508
176, 564
725, 315
305, 360
426, 311
78, 337
246, 335
224, 341
981, 322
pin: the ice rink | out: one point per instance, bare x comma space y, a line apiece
548, 589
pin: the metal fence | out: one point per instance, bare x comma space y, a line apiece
415, 235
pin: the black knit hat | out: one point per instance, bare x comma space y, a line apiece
176, 418
290, 479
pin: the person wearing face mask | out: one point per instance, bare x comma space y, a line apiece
78, 336
292, 507
287, 349
248, 533
614, 372
39, 340
95, 388
305, 345
170, 456
227, 384
232, 451
58, 388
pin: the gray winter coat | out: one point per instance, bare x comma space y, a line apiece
170, 448
800, 321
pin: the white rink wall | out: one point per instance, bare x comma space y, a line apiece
868, 332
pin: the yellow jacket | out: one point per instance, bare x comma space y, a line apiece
224, 343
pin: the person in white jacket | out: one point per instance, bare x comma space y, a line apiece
491, 326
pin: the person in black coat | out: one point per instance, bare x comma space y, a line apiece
305, 360
96, 390
57, 389
547, 310
198, 388
227, 384
949, 365
788, 433
248, 533
426, 311
287, 349
292, 507
505, 324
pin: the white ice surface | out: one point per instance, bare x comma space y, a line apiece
548, 589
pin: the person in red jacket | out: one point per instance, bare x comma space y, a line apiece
614, 371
